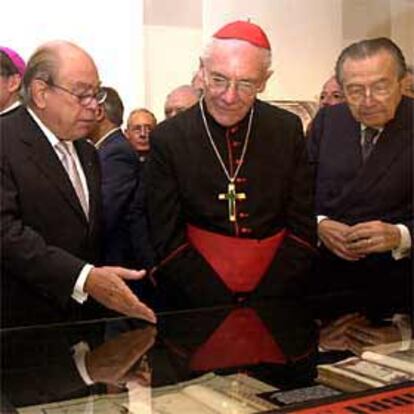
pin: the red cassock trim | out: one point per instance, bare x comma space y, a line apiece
239, 262
242, 339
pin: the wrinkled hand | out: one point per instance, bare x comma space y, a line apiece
362, 336
332, 234
333, 336
110, 362
372, 237
106, 285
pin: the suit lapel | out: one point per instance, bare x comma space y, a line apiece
393, 140
44, 156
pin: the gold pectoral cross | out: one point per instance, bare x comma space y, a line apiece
231, 196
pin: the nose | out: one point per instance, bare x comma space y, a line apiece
231, 94
367, 98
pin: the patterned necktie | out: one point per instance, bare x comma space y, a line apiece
368, 141
70, 166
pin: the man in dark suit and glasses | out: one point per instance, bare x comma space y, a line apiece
363, 153
50, 198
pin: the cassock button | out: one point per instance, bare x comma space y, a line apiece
235, 144
243, 215
241, 180
234, 129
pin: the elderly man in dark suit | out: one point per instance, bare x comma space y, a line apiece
363, 153
50, 198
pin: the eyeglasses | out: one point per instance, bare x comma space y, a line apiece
221, 84
142, 128
380, 90
84, 99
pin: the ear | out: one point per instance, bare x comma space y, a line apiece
39, 91
262, 86
100, 113
14, 82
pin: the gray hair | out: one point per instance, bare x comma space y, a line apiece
43, 64
267, 53
113, 106
145, 110
367, 48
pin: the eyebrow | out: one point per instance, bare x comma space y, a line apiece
251, 80
79, 85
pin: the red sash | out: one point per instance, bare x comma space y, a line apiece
240, 263
242, 339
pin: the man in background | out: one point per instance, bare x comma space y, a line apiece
180, 99
408, 82
331, 93
50, 198
120, 178
139, 125
12, 68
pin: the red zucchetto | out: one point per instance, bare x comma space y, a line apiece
242, 30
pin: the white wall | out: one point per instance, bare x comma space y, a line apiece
171, 59
145, 48
305, 37
111, 32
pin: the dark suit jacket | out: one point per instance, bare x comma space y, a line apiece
46, 238
352, 192
120, 177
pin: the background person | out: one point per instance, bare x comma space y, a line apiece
12, 68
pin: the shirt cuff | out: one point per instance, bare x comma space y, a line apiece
403, 249
321, 218
79, 356
79, 293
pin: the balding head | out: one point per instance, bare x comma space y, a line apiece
180, 99
61, 84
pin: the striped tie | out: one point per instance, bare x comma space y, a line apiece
368, 141
73, 173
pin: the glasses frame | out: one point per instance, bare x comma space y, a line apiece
378, 91
221, 84
83, 99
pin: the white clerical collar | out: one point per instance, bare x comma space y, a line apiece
14, 105
99, 143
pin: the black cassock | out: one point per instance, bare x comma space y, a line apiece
185, 179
